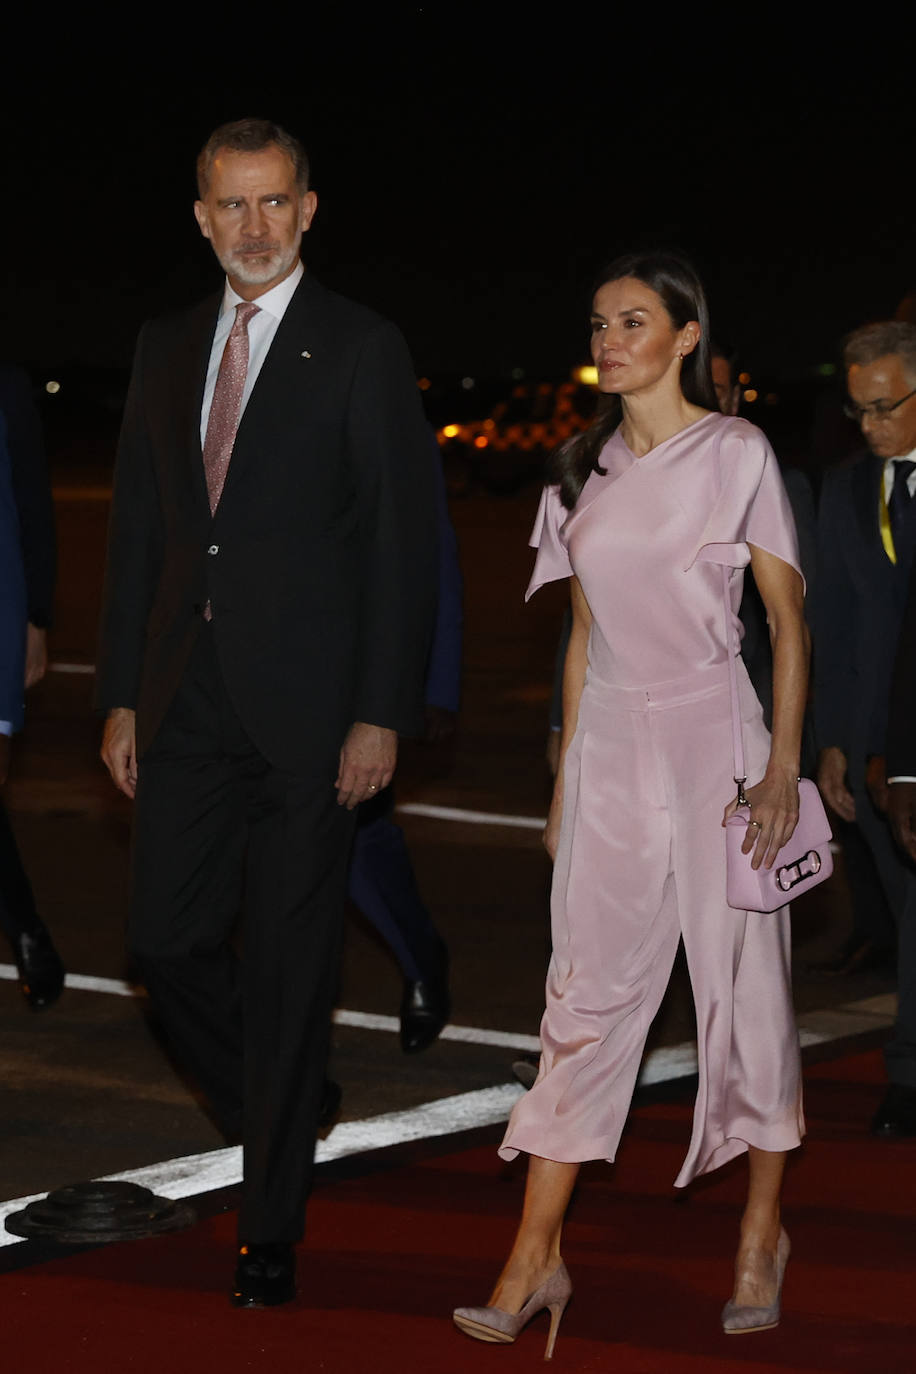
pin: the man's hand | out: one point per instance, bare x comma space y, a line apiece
367, 762
901, 812
4, 758
36, 654
876, 781
831, 779
119, 749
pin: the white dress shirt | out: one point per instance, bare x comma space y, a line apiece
261, 330
889, 473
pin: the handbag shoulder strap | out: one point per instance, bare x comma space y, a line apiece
737, 742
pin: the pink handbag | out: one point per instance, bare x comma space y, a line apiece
803, 862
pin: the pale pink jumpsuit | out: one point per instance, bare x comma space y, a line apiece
641, 857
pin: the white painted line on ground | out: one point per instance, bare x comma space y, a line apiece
201, 1173
87, 668
85, 982
455, 813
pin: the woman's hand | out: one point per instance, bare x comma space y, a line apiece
773, 818
551, 836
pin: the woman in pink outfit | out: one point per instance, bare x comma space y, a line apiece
642, 512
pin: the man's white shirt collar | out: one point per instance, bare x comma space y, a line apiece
273, 301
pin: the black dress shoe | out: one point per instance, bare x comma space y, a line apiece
41, 969
896, 1117
425, 1009
265, 1275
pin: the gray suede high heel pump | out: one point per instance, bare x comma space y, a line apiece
738, 1319
493, 1324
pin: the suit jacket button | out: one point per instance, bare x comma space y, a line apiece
214, 548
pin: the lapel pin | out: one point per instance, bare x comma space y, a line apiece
305, 353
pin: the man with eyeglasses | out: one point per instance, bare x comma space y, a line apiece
866, 548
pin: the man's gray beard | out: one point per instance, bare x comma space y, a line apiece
255, 273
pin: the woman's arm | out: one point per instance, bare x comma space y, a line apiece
774, 800
573, 680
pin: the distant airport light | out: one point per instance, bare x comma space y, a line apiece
517, 374
826, 370
52, 388
424, 384
586, 376
468, 383
750, 396
451, 431
481, 441
744, 378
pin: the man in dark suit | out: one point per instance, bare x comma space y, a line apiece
41, 971
270, 590
901, 807
12, 611
866, 548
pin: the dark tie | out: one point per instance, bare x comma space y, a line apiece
227, 403
898, 507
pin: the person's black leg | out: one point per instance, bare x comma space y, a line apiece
41, 970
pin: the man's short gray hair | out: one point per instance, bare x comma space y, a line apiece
251, 136
873, 341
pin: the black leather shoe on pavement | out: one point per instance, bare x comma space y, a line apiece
265, 1275
425, 1009
41, 969
896, 1117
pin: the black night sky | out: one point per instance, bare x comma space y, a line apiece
475, 165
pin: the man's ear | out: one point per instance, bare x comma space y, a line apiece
203, 219
309, 206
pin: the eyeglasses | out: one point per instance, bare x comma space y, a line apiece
879, 410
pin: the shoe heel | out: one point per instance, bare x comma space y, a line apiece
556, 1312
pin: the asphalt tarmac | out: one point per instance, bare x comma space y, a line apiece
88, 1089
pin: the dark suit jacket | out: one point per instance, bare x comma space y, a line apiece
901, 727
858, 611
12, 597
320, 561
32, 491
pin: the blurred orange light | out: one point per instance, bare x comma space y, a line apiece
750, 395
424, 384
744, 378
481, 441
451, 431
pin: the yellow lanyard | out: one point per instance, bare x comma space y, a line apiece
884, 522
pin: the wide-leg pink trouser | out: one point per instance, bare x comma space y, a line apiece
641, 861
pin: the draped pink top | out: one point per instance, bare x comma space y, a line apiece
646, 540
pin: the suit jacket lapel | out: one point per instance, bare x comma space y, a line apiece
191, 378
866, 490
284, 372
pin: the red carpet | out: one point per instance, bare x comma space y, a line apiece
388, 1255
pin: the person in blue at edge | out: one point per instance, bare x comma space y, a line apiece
381, 881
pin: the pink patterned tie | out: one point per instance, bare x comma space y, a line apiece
227, 403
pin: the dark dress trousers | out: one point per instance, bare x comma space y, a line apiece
901, 762
859, 608
319, 567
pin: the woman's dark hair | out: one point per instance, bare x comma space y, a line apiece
674, 280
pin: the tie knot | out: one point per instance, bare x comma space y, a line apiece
243, 313
903, 469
